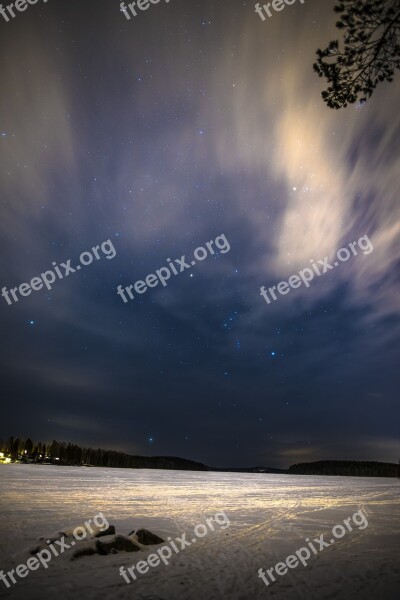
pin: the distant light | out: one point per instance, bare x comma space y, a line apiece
272, 353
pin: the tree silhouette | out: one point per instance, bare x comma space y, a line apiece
371, 51
28, 447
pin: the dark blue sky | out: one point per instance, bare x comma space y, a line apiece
161, 133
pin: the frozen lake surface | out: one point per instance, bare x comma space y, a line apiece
270, 517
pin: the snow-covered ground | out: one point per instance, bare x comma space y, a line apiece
270, 517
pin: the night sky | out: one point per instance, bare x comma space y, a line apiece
192, 120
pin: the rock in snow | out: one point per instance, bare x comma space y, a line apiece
85, 550
110, 544
146, 537
118, 542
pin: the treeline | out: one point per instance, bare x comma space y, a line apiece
267, 470
351, 468
62, 453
